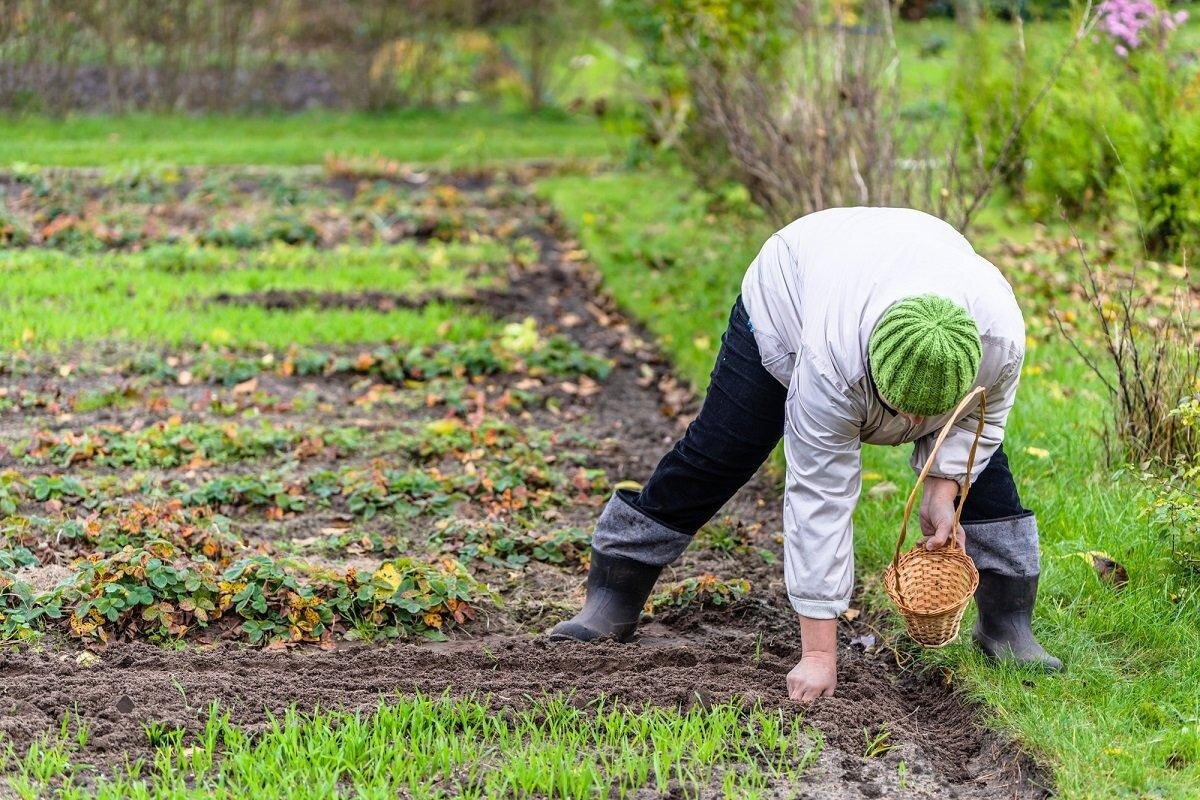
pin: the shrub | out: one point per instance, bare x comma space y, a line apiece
1172, 501
1074, 161
990, 97
1148, 359
1161, 166
802, 100
1118, 133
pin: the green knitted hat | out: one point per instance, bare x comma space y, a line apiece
924, 355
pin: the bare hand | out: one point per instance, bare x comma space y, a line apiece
937, 514
815, 676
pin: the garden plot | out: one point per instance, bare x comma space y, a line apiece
317, 438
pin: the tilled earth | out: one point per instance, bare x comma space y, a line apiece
598, 431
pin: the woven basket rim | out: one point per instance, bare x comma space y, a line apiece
891, 580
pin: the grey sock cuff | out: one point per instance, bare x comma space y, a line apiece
1007, 546
626, 532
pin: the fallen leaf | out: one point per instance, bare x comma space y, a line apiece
882, 490
87, 659
246, 386
866, 641
1107, 568
1110, 571
850, 614
1037, 452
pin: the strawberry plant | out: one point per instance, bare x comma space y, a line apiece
158, 591
366, 492
111, 527
520, 352
15, 558
13, 232
13, 489
173, 443
499, 545
566, 546
405, 596
704, 591
246, 490
23, 610
152, 590
58, 487
275, 603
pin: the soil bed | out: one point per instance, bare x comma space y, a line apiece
740, 653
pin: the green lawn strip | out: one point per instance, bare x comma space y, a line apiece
55, 298
440, 747
463, 138
1123, 720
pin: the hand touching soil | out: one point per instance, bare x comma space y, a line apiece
815, 676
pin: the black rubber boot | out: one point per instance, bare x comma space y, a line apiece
1002, 628
617, 589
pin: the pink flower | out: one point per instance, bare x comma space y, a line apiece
1125, 21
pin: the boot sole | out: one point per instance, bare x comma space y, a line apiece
573, 632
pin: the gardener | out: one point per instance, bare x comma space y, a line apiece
854, 325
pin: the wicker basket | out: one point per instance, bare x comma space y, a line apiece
932, 588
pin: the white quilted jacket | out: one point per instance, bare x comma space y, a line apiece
814, 294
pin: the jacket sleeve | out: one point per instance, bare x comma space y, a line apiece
951, 459
824, 477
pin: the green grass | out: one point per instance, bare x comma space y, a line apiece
463, 138
423, 747
1124, 720
163, 295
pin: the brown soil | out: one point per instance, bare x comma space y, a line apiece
740, 654
288, 300
714, 659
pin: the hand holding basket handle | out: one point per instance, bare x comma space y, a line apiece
932, 588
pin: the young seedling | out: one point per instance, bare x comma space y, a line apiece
878, 743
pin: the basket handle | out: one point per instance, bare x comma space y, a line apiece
912, 497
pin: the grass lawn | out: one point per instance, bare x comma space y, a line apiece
162, 295
462, 139
413, 746
1124, 720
